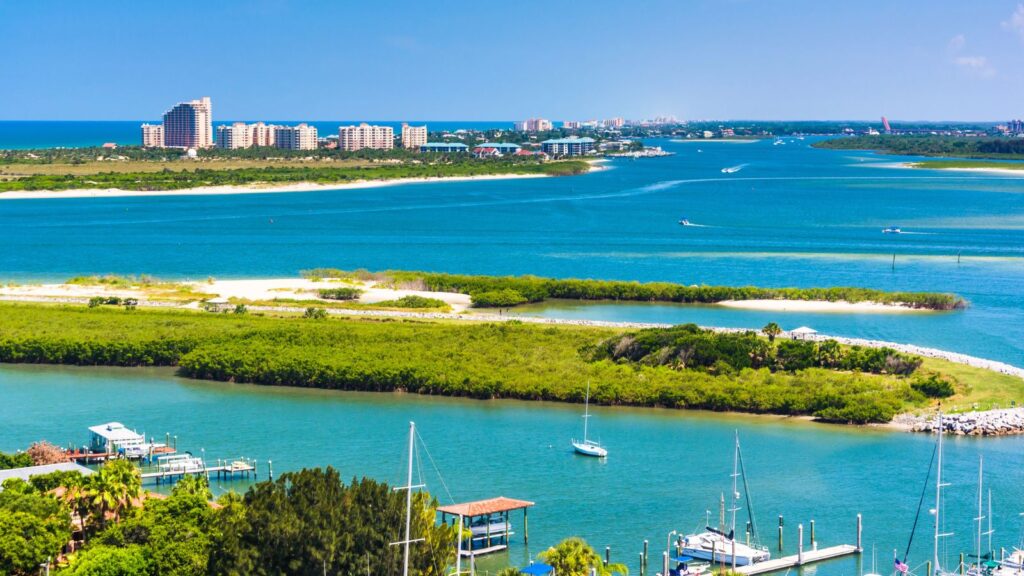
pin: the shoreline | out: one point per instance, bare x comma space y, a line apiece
595, 166
1000, 171
839, 306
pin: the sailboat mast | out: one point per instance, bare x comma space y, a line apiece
408, 501
989, 531
981, 512
938, 496
735, 474
586, 412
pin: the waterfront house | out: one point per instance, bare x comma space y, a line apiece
505, 148
111, 437
486, 152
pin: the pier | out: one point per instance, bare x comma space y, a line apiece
171, 468
800, 559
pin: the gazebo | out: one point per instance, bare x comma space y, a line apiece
488, 523
802, 333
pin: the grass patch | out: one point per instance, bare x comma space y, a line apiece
945, 164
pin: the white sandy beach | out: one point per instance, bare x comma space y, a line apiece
254, 189
1000, 171
820, 306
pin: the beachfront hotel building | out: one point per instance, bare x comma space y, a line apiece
533, 125
567, 146
413, 136
351, 138
152, 136
189, 125
301, 137
261, 134
236, 135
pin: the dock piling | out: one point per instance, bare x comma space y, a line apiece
962, 563
644, 562
813, 543
928, 568
664, 563
641, 564
780, 532
800, 544
860, 529
607, 555
270, 466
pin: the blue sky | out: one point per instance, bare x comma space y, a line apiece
438, 60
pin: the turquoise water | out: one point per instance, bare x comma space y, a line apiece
792, 216
665, 470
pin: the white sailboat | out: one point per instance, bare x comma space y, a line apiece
588, 447
717, 545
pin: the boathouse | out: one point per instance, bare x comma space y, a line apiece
114, 436
487, 522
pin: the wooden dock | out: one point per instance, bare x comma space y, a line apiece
799, 559
223, 471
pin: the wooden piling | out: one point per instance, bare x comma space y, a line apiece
799, 544
644, 569
664, 563
607, 555
860, 527
780, 532
812, 533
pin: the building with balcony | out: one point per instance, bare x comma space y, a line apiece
300, 137
568, 146
189, 125
413, 136
353, 138
152, 136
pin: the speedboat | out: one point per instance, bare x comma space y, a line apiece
891, 230
684, 222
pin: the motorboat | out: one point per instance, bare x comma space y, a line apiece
684, 222
892, 230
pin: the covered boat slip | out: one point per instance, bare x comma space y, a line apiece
488, 523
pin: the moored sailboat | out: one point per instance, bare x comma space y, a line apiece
588, 447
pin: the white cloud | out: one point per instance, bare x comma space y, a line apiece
975, 64
956, 43
1016, 21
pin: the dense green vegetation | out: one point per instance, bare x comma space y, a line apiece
931, 145
181, 179
339, 293
690, 347
503, 291
16, 460
412, 301
492, 360
305, 523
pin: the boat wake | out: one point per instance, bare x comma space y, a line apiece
734, 169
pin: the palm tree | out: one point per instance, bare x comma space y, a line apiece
574, 557
771, 330
76, 497
113, 488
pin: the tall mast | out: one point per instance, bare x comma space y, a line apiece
981, 512
989, 531
586, 413
408, 500
938, 500
735, 475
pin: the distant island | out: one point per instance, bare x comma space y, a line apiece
931, 145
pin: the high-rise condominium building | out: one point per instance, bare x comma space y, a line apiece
152, 136
365, 136
533, 125
301, 137
189, 125
261, 134
413, 136
237, 135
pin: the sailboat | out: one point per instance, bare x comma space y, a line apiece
717, 545
588, 447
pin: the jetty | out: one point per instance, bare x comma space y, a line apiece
174, 467
799, 559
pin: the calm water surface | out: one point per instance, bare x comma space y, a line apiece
791, 216
665, 470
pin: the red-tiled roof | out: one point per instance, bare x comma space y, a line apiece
482, 507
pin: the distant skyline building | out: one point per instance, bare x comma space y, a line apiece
353, 138
189, 125
533, 125
413, 136
614, 123
237, 135
261, 134
301, 137
567, 146
152, 136
885, 125
572, 124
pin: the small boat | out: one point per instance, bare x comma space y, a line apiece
684, 222
778, 142
588, 447
733, 169
892, 230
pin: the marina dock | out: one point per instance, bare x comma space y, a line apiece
172, 468
798, 559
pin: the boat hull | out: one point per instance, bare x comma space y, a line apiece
592, 450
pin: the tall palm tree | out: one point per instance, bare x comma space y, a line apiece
112, 489
574, 557
76, 497
771, 330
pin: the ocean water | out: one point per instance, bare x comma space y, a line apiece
16, 134
665, 470
790, 216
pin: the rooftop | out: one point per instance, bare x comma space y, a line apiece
448, 144
484, 507
29, 471
583, 140
115, 431
499, 145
